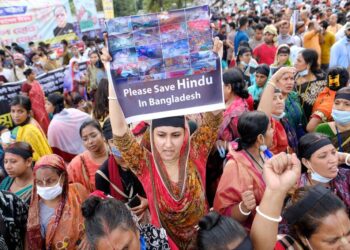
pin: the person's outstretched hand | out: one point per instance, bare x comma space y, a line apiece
282, 172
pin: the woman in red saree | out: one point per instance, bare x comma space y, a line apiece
34, 91
55, 220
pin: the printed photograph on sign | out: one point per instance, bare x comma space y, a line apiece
119, 25
175, 63
174, 49
197, 13
149, 52
173, 32
144, 22
123, 56
178, 73
149, 67
177, 16
198, 28
121, 41
203, 66
200, 43
146, 36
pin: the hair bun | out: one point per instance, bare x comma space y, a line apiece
209, 221
89, 206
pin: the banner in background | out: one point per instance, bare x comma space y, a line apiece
108, 9
22, 21
51, 82
163, 64
86, 13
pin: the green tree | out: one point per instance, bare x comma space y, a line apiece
159, 5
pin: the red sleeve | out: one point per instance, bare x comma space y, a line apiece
25, 88
256, 52
279, 246
250, 102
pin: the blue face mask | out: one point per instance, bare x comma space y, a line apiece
304, 72
341, 117
319, 178
278, 117
116, 152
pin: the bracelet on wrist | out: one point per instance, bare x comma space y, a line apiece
241, 210
279, 219
347, 158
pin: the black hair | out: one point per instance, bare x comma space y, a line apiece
92, 123
259, 26
31, 43
310, 221
343, 77
263, 69
250, 125
324, 24
24, 101
216, 232
243, 21
20, 148
241, 50
310, 57
102, 216
27, 72
57, 101
234, 77
32, 55
232, 25
64, 42
101, 109
265, 19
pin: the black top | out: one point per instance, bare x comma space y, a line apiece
127, 177
69, 28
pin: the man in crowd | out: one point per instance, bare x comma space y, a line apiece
340, 51
265, 53
284, 37
312, 38
241, 35
20, 66
258, 36
327, 41
334, 27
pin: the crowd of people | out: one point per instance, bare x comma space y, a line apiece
271, 171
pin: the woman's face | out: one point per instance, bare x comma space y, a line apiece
260, 79
47, 177
246, 57
120, 238
341, 104
16, 165
333, 233
49, 107
168, 142
93, 139
286, 83
277, 104
282, 58
19, 114
268, 137
300, 63
227, 92
325, 161
93, 58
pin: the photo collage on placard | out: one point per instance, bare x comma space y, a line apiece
160, 46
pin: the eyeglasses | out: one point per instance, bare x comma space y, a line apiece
60, 15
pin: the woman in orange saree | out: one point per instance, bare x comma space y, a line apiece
54, 219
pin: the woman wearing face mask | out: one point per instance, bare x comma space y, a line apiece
115, 178
321, 160
110, 225
246, 63
317, 218
339, 129
310, 80
34, 91
83, 167
25, 130
241, 185
262, 73
337, 78
54, 219
284, 137
51, 63
18, 165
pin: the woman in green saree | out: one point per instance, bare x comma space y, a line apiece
18, 165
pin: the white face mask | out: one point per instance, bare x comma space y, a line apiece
50, 193
304, 72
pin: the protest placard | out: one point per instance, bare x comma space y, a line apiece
163, 65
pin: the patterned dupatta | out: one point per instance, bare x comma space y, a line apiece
228, 128
179, 205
